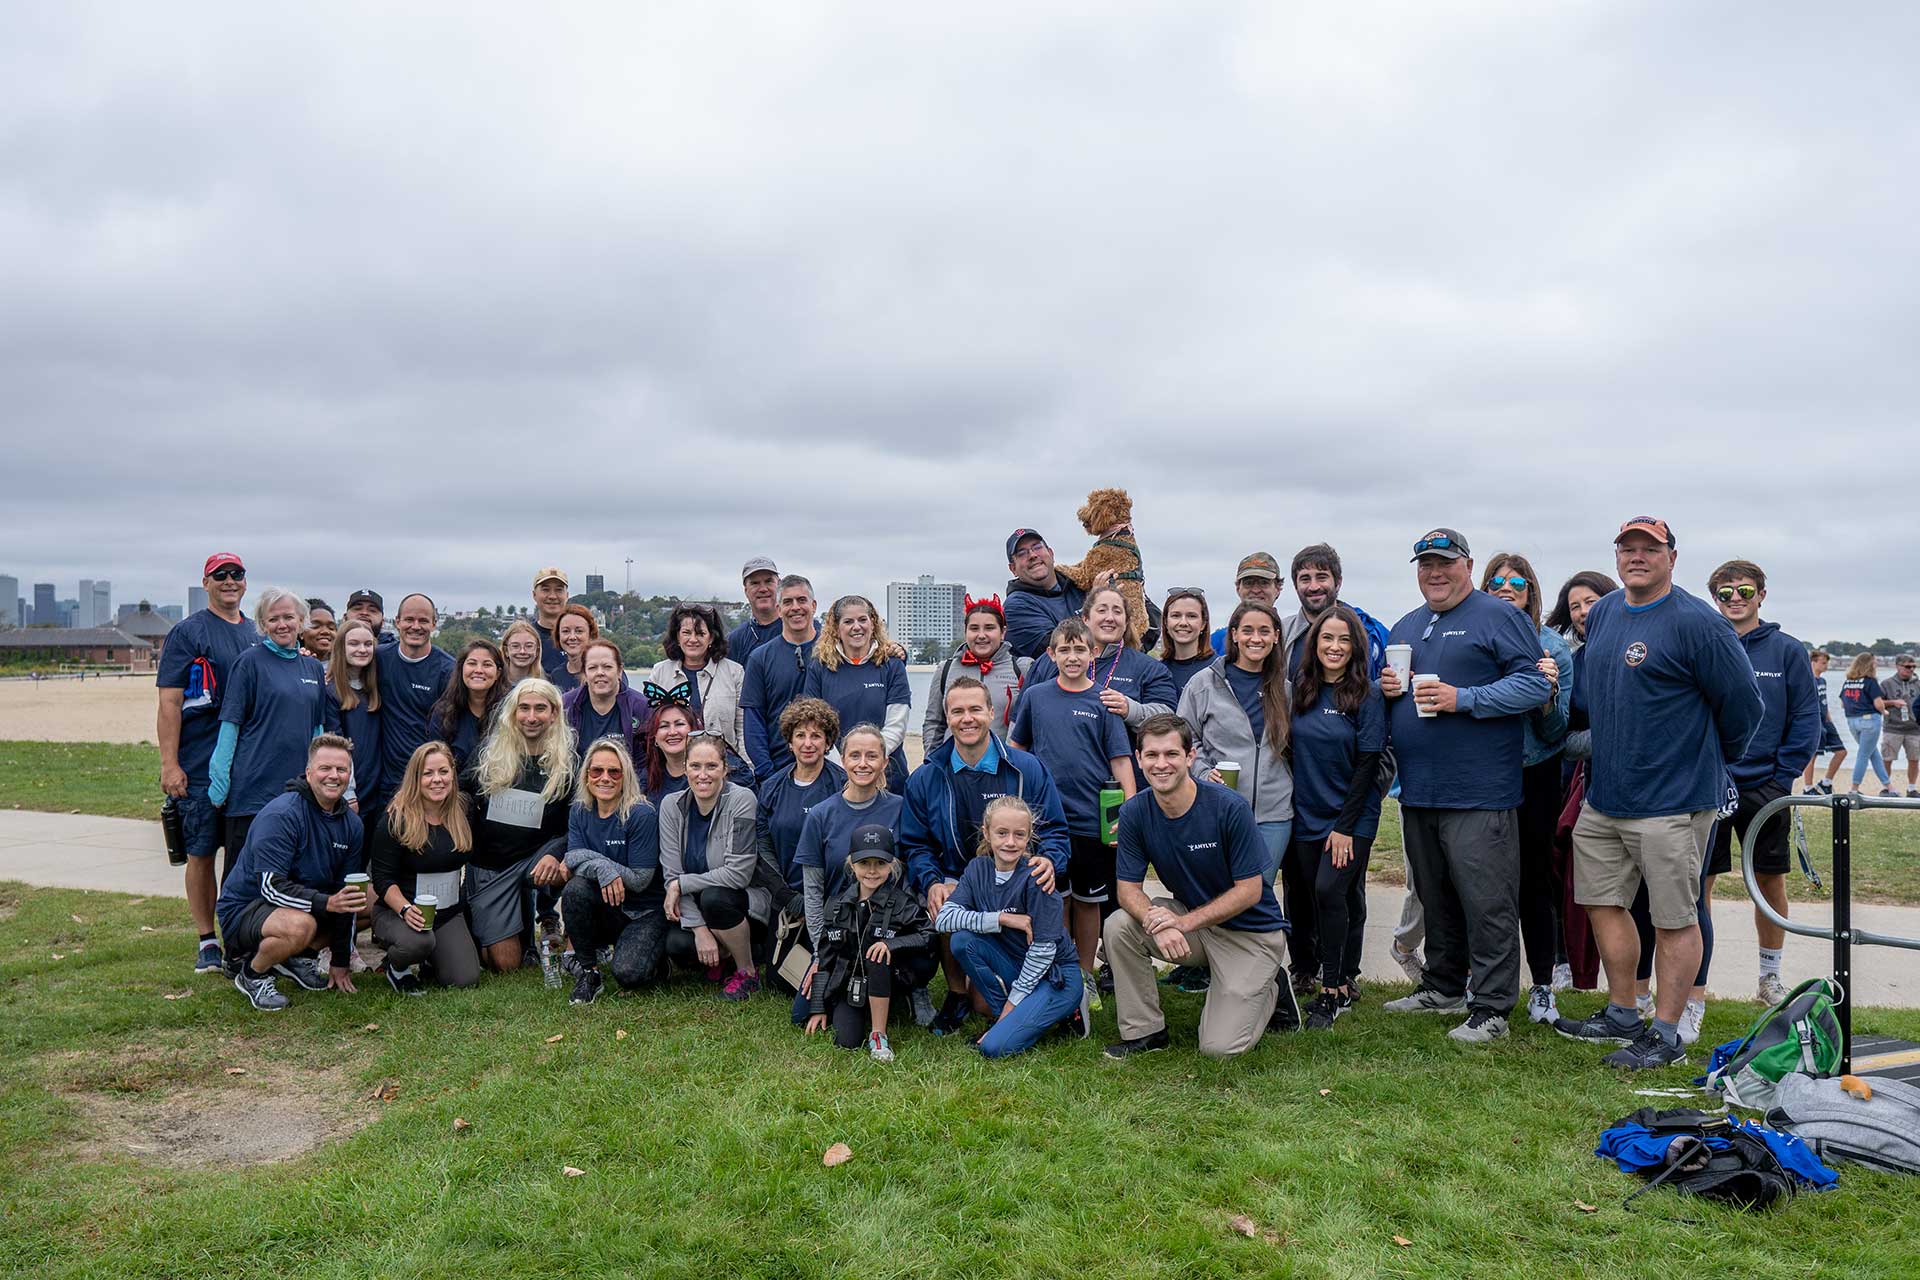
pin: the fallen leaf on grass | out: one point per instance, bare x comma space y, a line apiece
572, 1172
461, 1125
236, 1071
385, 1091
58, 956
146, 928
373, 1026
557, 1039
838, 1153
1402, 1241
1244, 1225
1326, 1093
1584, 1207
620, 1035
76, 919
176, 995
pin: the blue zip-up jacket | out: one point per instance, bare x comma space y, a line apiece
930, 836
297, 855
1789, 731
1032, 614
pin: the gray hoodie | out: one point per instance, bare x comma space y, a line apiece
1221, 731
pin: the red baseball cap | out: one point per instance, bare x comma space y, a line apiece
219, 559
1653, 526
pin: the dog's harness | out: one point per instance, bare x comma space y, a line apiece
1135, 574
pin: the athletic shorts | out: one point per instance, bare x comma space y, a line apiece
200, 825
1893, 741
240, 936
497, 901
1613, 856
1829, 739
1089, 868
1767, 848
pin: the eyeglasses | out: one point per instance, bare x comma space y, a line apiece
1516, 582
1441, 543
1746, 591
229, 573
605, 771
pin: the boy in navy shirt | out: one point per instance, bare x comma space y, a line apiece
1065, 724
1202, 842
1457, 739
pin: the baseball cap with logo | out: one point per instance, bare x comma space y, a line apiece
1445, 543
759, 564
549, 574
1019, 536
1651, 525
871, 843
1258, 565
221, 559
367, 595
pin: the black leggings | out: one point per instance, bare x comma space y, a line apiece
638, 942
1300, 897
721, 909
1340, 897
852, 1022
1539, 885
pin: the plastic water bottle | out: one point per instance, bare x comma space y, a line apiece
1111, 798
549, 956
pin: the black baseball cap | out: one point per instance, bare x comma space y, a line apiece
1018, 536
366, 595
1445, 543
871, 843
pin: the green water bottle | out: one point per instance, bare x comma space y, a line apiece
1111, 798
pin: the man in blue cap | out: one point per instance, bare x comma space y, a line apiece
1038, 599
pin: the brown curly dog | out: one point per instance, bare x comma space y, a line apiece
1108, 515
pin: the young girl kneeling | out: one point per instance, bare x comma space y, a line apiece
1010, 937
873, 947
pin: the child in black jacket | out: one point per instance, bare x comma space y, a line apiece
874, 941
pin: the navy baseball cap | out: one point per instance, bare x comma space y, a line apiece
1446, 543
1018, 536
871, 843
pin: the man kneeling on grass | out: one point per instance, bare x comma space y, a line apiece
290, 882
1203, 844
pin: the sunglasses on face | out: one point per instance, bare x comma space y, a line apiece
1515, 581
228, 574
605, 771
1195, 592
1441, 543
1746, 591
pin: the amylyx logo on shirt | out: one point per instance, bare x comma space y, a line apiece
1636, 653
874, 684
306, 680
1445, 634
1091, 715
1771, 675
426, 688
1204, 844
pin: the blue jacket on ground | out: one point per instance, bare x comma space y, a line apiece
1032, 614
1671, 698
930, 837
1790, 710
297, 855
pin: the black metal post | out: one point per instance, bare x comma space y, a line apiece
1843, 922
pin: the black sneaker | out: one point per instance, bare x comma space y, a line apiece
570, 964
1105, 980
1152, 1042
953, 1015
1286, 1009
1647, 1052
209, 960
303, 970
1196, 981
1324, 1011
1597, 1028
406, 982
586, 988
259, 990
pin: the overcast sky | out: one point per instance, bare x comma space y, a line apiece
428, 296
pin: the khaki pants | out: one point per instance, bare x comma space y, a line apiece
1244, 966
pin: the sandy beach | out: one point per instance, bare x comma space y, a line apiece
109, 709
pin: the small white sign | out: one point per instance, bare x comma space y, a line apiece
515, 808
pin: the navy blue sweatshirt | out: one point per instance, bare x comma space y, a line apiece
1789, 731
297, 856
1032, 613
1670, 696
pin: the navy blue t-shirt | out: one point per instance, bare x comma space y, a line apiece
1459, 760
552, 657
827, 835
693, 857
632, 841
277, 703
863, 693
362, 728
978, 891
1857, 696
774, 677
782, 813
1139, 676
1327, 746
748, 636
1200, 854
594, 726
1184, 669
202, 635
668, 785
465, 738
1076, 738
1246, 691
408, 690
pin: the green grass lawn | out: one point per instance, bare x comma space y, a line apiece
116, 780
700, 1136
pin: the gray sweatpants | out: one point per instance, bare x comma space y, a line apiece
1466, 863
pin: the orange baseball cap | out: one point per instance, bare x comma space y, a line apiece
1652, 525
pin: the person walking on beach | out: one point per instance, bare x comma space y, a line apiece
1671, 699
1830, 742
1901, 731
193, 674
1864, 701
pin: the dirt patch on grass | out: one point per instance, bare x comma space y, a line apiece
180, 1106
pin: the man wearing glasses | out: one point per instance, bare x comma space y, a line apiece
1671, 698
1901, 730
193, 673
1781, 747
1038, 600
1457, 736
773, 678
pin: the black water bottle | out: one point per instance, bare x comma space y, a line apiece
174, 827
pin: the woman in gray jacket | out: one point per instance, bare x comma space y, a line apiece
707, 859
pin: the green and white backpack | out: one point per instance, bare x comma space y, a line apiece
1801, 1033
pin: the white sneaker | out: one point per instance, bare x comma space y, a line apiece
1771, 990
1563, 977
1644, 1004
1690, 1019
1410, 964
877, 1046
1540, 1006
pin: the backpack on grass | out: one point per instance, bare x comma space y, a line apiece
1880, 1131
1800, 1034
1697, 1153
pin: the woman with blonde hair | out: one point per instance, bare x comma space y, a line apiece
1863, 701
854, 668
520, 644
353, 711
421, 847
522, 785
614, 895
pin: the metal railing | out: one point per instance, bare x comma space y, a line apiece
1841, 932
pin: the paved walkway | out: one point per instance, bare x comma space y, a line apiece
128, 856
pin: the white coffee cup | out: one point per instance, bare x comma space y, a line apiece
1400, 658
1424, 678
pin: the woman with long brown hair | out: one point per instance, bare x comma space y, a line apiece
464, 714
353, 711
422, 847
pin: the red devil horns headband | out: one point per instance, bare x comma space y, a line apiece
990, 603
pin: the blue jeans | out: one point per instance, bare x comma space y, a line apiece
1866, 732
1276, 835
992, 965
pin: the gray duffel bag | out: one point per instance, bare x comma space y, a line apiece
1880, 1132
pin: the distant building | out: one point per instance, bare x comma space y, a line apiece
10, 601
145, 624
69, 611
596, 582
926, 611
46, 612
77, 646
95, 603
172, 612
196, 599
